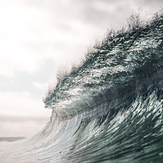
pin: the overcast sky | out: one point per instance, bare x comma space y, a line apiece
39, 37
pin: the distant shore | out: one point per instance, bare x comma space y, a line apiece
11, 139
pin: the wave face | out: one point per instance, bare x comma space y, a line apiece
110, 110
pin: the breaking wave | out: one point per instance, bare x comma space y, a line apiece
109, 110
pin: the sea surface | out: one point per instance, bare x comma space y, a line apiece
109, 110
10, 139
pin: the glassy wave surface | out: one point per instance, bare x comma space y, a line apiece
109, 110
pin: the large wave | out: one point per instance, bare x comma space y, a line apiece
108, 110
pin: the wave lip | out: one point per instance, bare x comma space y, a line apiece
111, 71
108, 110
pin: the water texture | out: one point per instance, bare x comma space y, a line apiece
109, 110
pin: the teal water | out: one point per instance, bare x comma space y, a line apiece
109, 110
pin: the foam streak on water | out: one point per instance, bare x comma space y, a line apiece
109, 110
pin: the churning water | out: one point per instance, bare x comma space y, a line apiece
109, 110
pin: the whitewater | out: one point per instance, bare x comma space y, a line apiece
109, 110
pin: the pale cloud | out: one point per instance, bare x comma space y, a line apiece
110, 7
21, 104
29, 35
21, 26
41, 86
21, 128
15, 58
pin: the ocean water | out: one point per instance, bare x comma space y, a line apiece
10, 139
109, 110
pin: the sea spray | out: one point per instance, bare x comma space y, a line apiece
113, 70
108, 110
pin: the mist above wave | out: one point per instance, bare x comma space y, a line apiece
117, 66
110, 108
